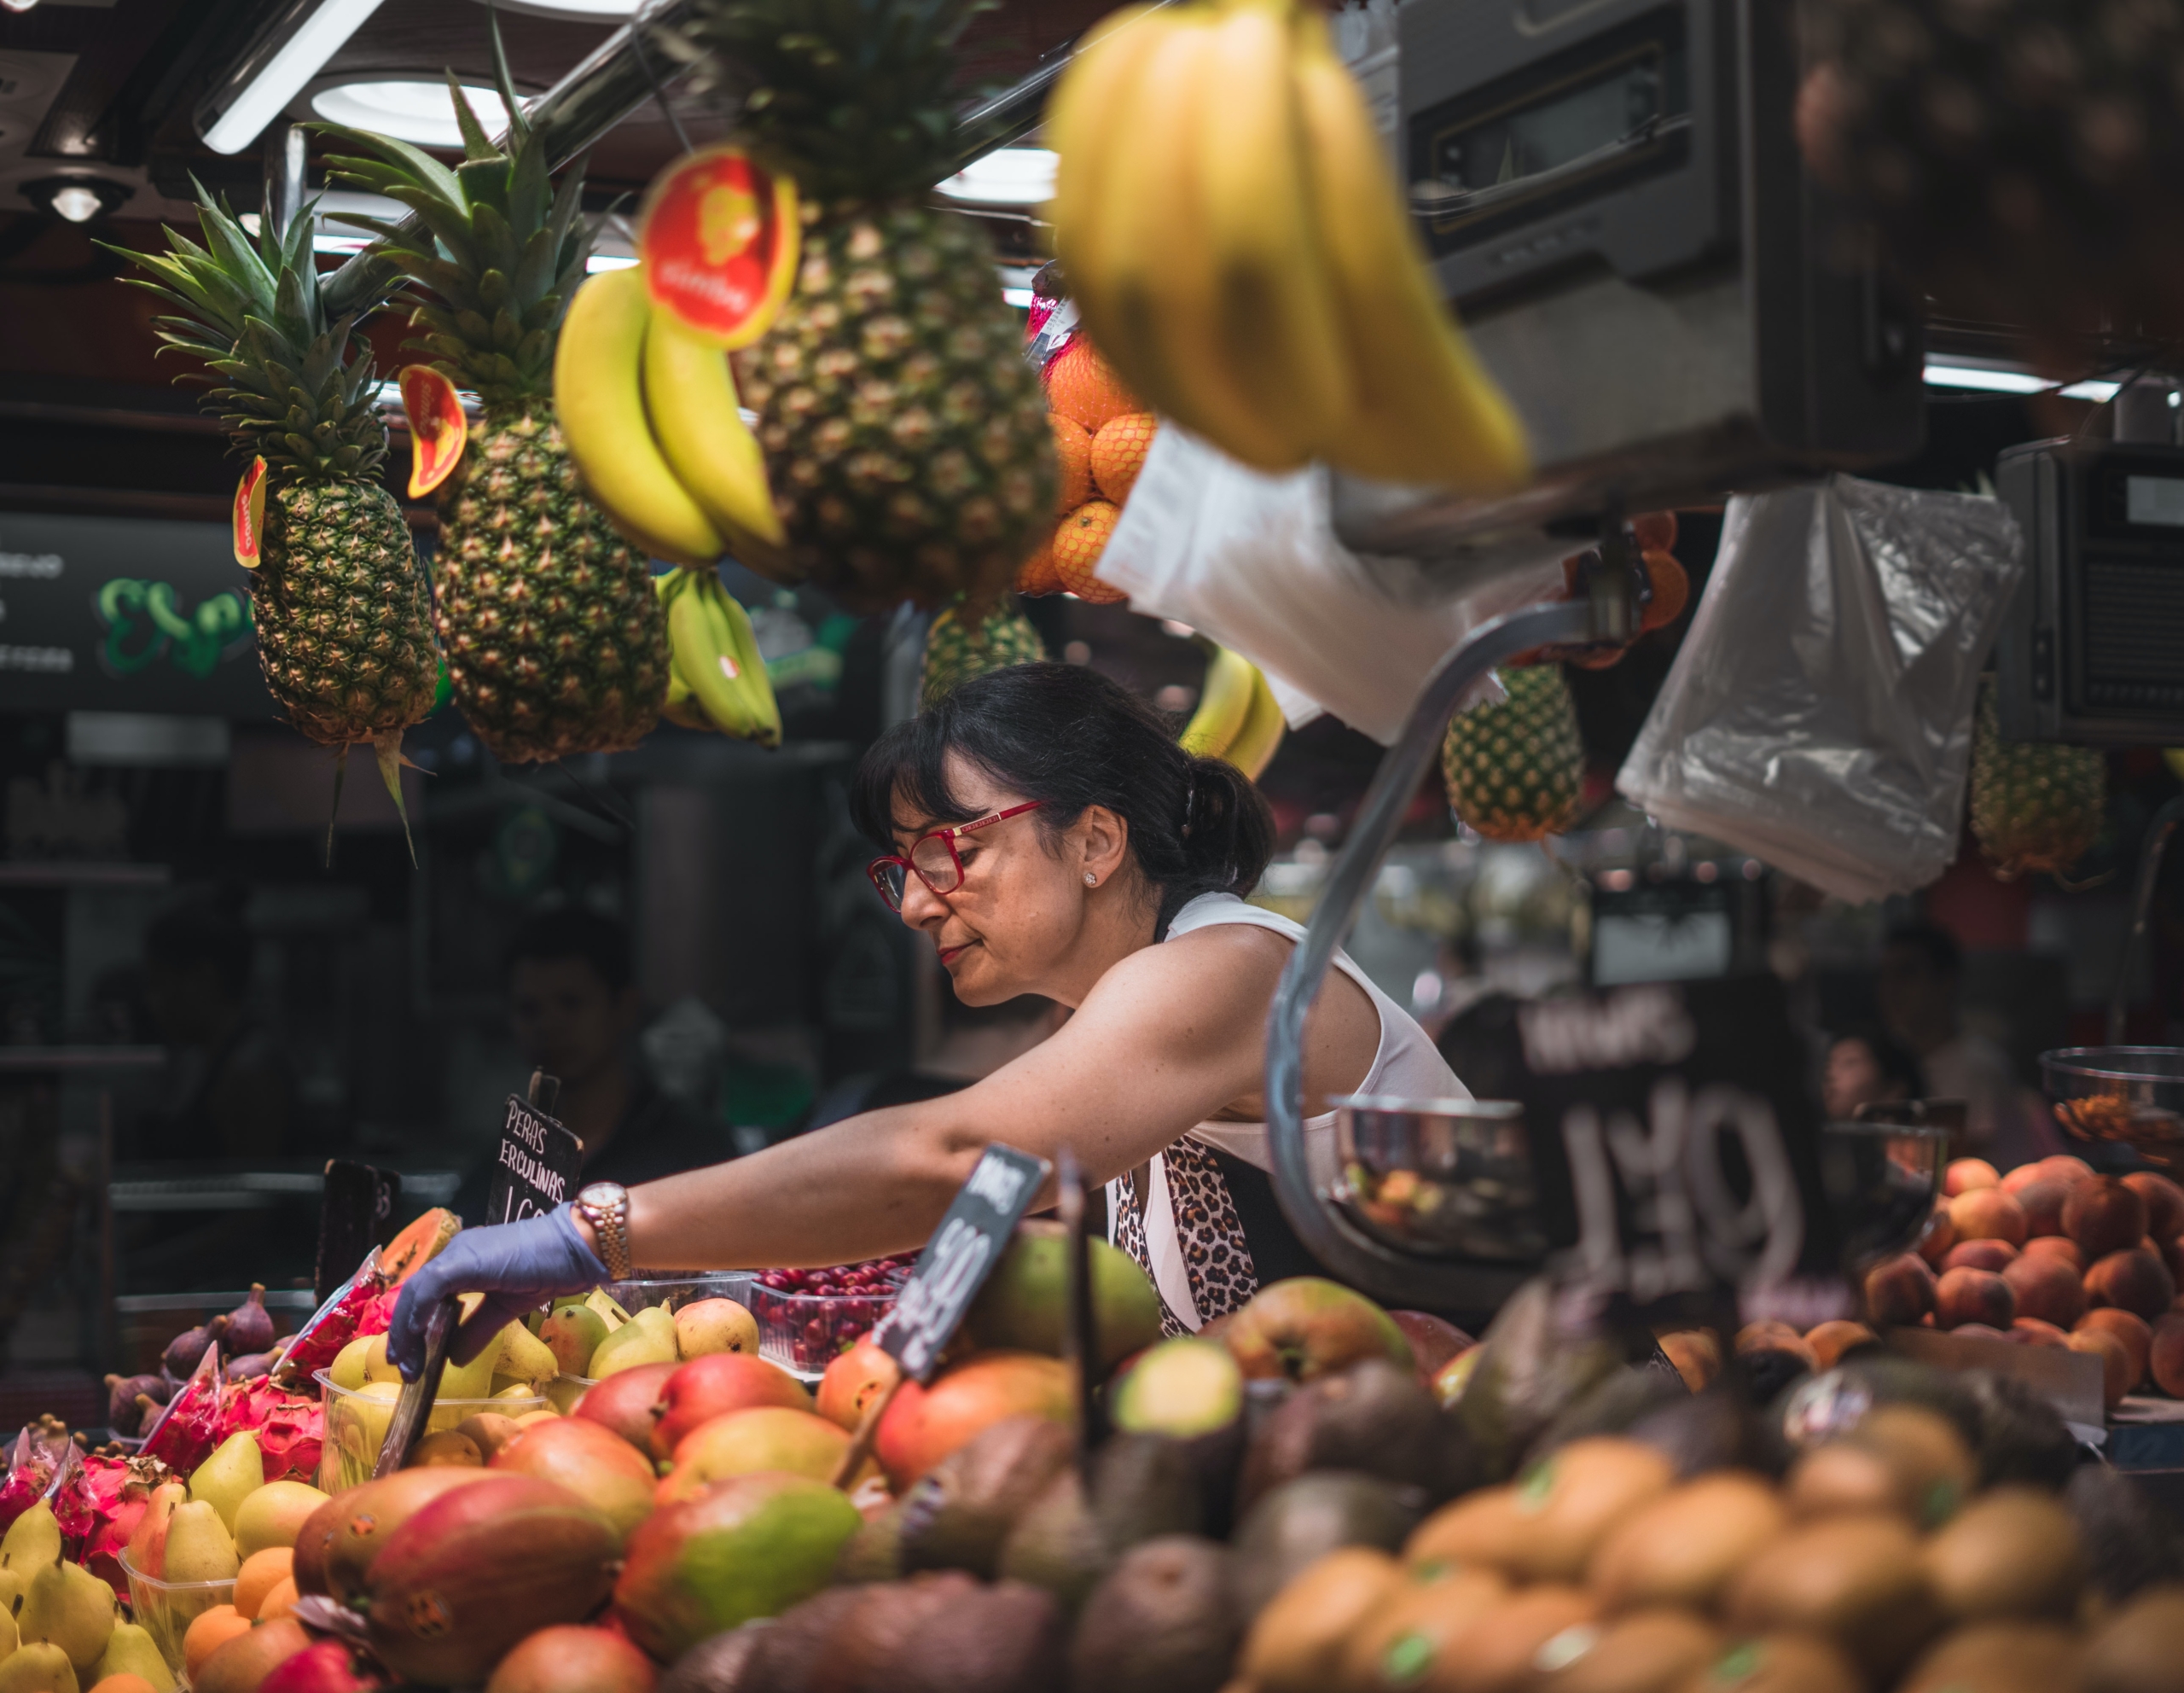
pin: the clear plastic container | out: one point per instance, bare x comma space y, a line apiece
675, 1292
357, 1423
563, 1392
806, 1332
166, 1608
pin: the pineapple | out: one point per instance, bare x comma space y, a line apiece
339, 601
1516, 770
2034, 806
955, 651
905, 432
555, 643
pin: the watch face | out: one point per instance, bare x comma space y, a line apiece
602, 1193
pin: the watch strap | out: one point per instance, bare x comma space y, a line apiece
610, 1221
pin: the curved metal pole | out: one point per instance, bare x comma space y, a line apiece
1345, 1250
2150, 856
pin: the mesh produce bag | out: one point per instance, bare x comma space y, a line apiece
1820, 713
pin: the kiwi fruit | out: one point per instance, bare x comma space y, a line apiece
1408, 1641
1999, 1657
1779, 1663
1297, 1641
2140, 1648
1901, 1458
1655, 1650
1685, 1547
1857, 1579
2012, 1553
1546, 1525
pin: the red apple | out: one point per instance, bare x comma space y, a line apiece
1989, 1254
2134, 1280
1968, 1175
2047, 1289
1987, 1213
1974, 1296
1433, 1340
2166, 1355
2103, 1215
715, 1384
2164, 1203
1899, 1292
2131, 1330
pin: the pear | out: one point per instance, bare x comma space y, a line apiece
516, 1390
132, 1651
471, 1380
70, 1607
648, 1337
10, 1636
525, 1357
601, 1304
235, 1470
147, 1551
573, 1333
13, 1586
31, 1542
199, 1546
363, 1419
37, 1667
707, 1326
347, 1371
378, 1367
274, 1515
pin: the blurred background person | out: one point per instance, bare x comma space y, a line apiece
229, 1093
975, 1041
1867, 1067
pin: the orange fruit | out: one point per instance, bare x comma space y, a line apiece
123, 1682
1672, 589
261, 1572
1118, 453
1036, 574
280, 1601
1073, 454
207, 1633
1079, 539
1083, 387
1655, 530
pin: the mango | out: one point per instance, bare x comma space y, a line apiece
365, 1519
924, 1424
572, 1332
573, 1659
1023, 1305
747, 1442
599, 1467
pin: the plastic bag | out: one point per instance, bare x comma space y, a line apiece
1820, 713
1251, 561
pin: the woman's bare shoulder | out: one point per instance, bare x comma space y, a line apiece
1225, 964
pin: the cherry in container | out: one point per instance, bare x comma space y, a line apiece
807, 1318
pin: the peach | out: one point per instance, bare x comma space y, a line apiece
2065, 1169
2164, 1203
2132, 1330
853, 1381
1974, 1296
2032, 1332
2135, 1280
1696, 1354
1978, 1331
1968, 1175
2172, 1254
1987, 1213
2114, 1362
2016, 1181
1990, 1254
2165, 1357
2042, 1203
2047, 1287
1940, 1234
1830, 1340
2056, 1246
2103, 1215
1900, 1292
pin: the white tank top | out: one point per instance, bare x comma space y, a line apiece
1200, 1264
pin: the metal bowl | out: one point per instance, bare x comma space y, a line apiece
1880, 1179
1442, 1178
2120, 1095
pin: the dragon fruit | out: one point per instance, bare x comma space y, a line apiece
36, 1457
364, 1305
99, 1507
186, 1431
290, 1430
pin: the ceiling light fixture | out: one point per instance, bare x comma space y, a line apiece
77, 198
1008, 176
287, 53
16, 5
409, 109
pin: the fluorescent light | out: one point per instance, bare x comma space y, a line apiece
1999, 380
1018, 298
77, 203
408, 109
1010, 175
608, 261
270, 82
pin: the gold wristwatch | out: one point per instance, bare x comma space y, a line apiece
606, 1207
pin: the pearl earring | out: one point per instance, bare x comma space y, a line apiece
1090, 880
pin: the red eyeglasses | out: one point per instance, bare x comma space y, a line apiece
934, 857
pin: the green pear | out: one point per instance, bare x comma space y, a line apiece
602, 1305
37, 1667
648, 1337
471, 1380
132, 1651
518, 1390
274, 1515
199, 1546
235, 1470
349, 1370
525, 1357
70, 1607
573, 1333
31, 1542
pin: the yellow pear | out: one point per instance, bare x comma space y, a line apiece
525, 1357
37, 1667
349, 1369
10, 1636
471, 1380
377, 1365
31, 1542
132, 1651
199, 1546
602, 1302
70, 1607
274, 1515
13, 1583
648, 1337
711, 1325
235, 1470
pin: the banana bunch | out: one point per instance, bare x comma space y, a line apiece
1237, 717
1235, 242
649, 411
716, 678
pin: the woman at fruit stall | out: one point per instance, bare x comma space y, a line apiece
1042, 829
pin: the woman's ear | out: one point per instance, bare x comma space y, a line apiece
1102, 840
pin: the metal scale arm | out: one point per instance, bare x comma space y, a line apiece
1608, 613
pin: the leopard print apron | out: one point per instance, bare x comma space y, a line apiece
1217, 1258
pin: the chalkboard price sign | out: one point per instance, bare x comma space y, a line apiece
536, 1168
963, 1253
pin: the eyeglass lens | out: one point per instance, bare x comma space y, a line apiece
936, 864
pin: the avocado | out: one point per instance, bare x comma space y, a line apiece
725, 1663
1142, 1486
875, 1552
1374, 1417
1531, 1370
1619, 1399
2022, 1436
957, 1514
2128, 1543
788, 1652
1191, 1389
1303, 1520
1716, 1430
1166, 1621
860, 1657
1005, 1638
1769, 1372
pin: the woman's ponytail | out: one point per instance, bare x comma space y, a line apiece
1226, 835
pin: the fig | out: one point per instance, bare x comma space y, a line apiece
124, 1401
248, 1368
249, 1324
187, 1350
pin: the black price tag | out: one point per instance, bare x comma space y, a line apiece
963, 1251
358, 1202
536, 1167
1674, 1141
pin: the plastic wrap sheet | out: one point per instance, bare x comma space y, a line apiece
1251, 560
1820, 713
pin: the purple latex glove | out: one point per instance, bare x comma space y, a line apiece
518, 1266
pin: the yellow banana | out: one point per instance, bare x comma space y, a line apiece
690, 398
1222, 703
1253, 748
681, 705
732, 634
599, 398
1425, 410
710, 671
1080, 124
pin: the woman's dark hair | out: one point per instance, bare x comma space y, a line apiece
1895, 1061
1065, 735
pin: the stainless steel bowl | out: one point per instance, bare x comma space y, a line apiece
2120, 1095
1442, 1178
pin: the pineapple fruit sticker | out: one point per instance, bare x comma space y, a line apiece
1102, 432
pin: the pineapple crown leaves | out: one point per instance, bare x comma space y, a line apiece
253, 312
500, 251
853, 98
